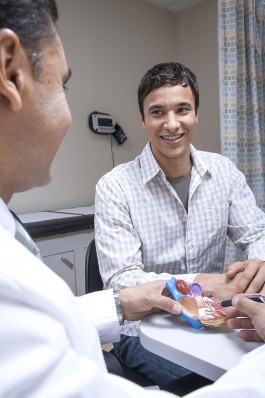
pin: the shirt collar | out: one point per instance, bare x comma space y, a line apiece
150, 168
198, 162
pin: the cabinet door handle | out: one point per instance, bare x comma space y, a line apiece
67, 262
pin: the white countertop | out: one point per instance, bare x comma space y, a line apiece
56, 214
209, 352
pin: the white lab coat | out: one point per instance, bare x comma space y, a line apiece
49, 343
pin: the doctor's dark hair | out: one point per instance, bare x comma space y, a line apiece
163, 74
34, 22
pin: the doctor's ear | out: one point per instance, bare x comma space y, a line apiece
11, 71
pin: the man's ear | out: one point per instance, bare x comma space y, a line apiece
11, 74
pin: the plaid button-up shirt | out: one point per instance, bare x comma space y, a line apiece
143, 231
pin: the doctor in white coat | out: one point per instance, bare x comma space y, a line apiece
49, 339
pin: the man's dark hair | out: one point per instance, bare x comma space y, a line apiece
171, 73
34, 21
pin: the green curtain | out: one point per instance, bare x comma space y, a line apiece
241, 35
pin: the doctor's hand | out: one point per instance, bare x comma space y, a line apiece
249, 316
142, 300
252, 278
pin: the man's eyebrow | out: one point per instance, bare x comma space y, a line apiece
160, 106
184, 103
155, 106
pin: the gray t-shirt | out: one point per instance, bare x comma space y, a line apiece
181, 186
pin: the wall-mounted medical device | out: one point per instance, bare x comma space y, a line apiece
103, 123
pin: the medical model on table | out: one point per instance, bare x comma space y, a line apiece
198, 310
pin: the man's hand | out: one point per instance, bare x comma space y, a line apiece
251, 318
252, 279
218, 285
139, 301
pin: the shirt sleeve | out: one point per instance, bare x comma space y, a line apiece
100, 308
246, 224
118, 245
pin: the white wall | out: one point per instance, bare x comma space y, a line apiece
109, 45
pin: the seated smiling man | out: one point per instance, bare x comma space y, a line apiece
169, 212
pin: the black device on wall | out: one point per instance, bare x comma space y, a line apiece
103, 123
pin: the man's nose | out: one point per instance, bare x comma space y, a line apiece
172, 122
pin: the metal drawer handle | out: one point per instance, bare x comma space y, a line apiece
67, 262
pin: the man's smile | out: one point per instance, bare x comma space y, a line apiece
173, 138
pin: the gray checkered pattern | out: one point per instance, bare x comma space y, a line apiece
144, 233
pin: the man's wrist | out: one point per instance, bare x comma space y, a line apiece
118, 306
